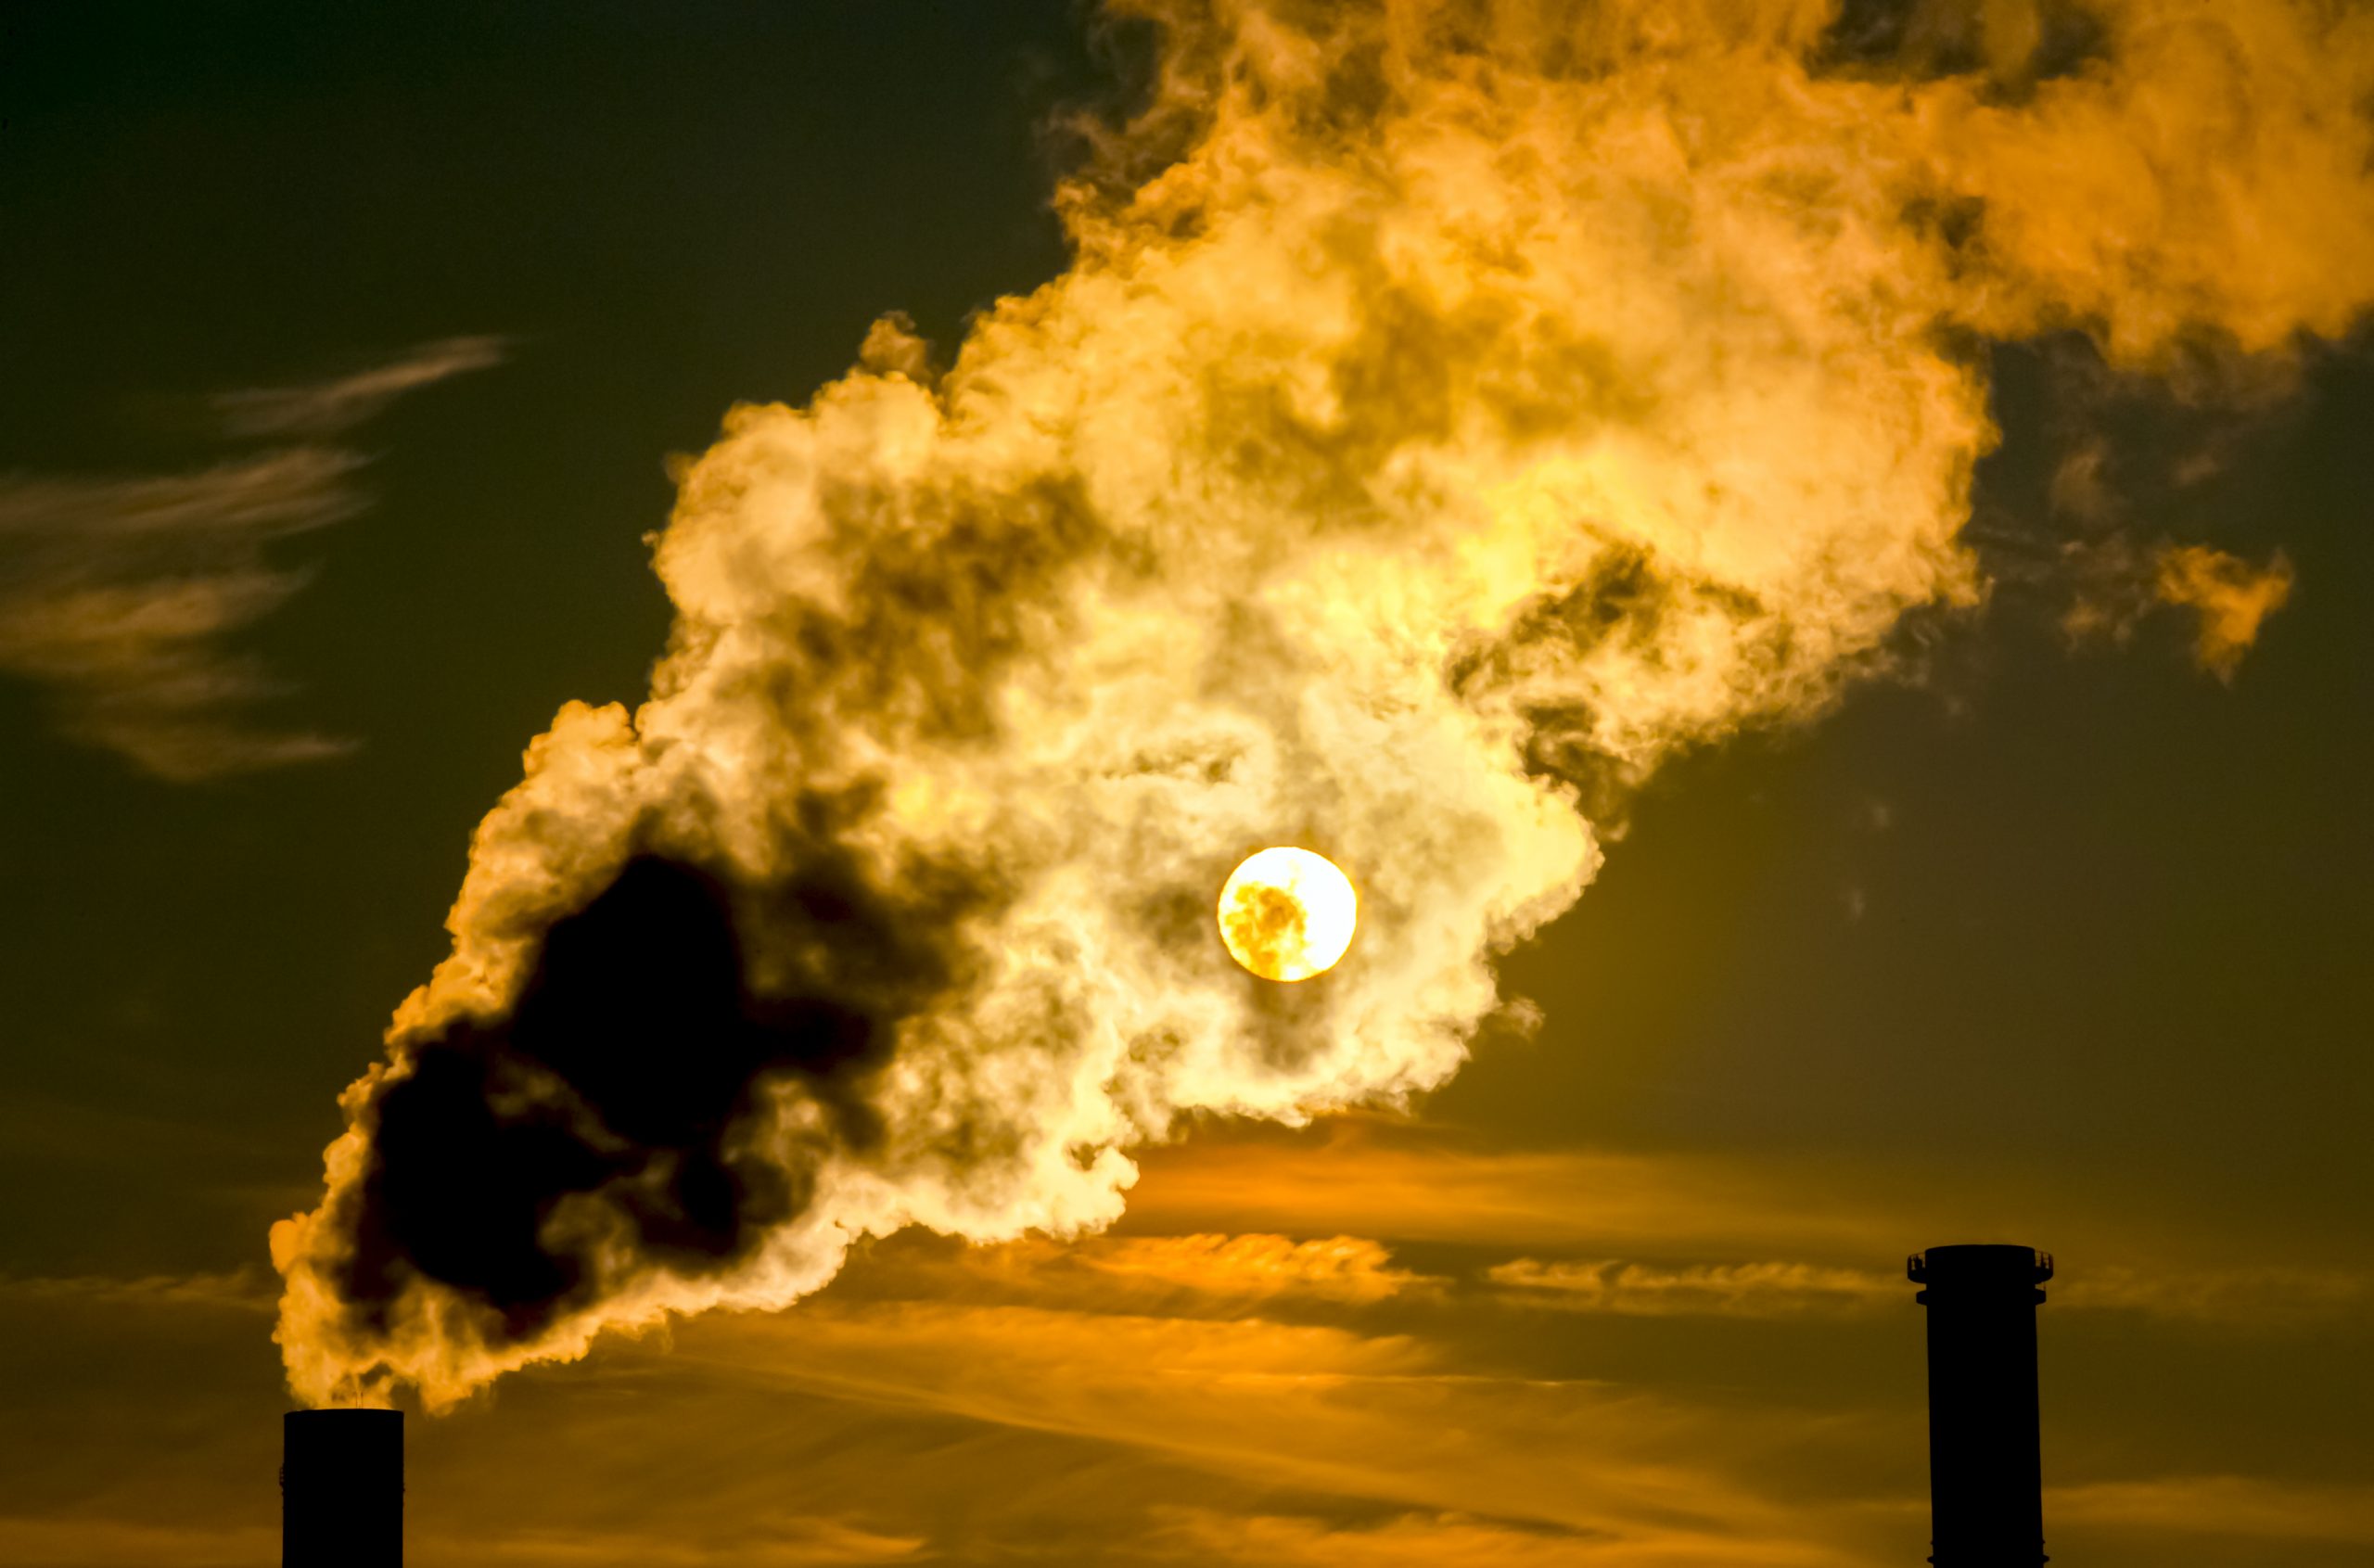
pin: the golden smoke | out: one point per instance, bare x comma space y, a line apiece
1453, 409
2234, 599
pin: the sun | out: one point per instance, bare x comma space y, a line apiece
1287, 915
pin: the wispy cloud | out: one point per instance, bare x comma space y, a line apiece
78, 1541
322, 408
787, 1543
1205, 1274
123, 596
1729, 1289
1676, 1233
81, 1541
2238, 1506
2272, 1297
1356, 1422
119, 595
1453, 1540
1617, 1202
1345, 1268
242, 1290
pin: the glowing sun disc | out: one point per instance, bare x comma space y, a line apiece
1287, 915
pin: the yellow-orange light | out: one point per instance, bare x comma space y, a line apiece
1287, 915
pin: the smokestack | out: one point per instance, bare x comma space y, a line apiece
1985, 1471
342, 1489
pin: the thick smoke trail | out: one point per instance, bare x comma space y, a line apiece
1453, 409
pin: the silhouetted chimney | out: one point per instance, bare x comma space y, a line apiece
342, 1489
1985, 1475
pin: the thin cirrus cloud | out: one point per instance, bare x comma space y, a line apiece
326, 407
786, 1543
84, 1543
1455, 1540
1372, 1438
75, 1541
2237, 1507
1216, 1275
1202, 1274
1730, 1290
2273, 1297
1572, 1201
1351, 1269
1682, 1234
2259, 1299
236, 1290
122, 598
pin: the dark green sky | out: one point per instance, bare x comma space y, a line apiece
2066, 944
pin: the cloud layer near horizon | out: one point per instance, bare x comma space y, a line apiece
1199, 1395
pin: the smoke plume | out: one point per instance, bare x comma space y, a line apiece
1453, 408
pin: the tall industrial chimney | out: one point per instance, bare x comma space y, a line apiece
342, 1489
1985, 1473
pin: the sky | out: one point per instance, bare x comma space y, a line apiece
1920, 801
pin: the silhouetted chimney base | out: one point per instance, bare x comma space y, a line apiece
342, 1489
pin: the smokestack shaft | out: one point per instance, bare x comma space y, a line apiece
342, 1489
1986, 1469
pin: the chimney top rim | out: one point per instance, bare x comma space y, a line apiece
1983, 1262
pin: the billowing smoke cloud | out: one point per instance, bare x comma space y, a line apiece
1453, 409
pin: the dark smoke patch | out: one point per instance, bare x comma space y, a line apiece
610, 1110
1923, 40
1622, 598
963, 589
